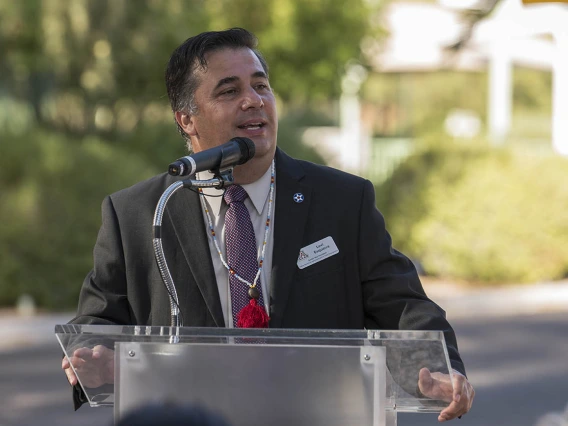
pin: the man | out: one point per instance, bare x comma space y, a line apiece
219, 89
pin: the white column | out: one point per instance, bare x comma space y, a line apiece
350, 122
560, 94
500, 92
351, 149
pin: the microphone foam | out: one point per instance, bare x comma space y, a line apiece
247, 148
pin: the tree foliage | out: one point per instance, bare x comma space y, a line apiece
96, 66
51, 192
84, 111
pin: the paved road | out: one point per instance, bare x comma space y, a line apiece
518, 364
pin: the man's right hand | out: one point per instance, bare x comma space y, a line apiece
94, 366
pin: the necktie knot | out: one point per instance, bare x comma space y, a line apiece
235, 193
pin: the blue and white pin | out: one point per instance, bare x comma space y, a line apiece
298, 197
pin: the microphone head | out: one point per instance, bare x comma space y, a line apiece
247, 148
174, 170
180, 167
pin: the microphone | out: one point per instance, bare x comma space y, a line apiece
236, 151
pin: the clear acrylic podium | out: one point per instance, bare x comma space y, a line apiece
265, 376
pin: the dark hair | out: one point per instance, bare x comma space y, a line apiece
171, 415
181, 80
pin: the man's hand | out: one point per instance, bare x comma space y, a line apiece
458, 392
94, 366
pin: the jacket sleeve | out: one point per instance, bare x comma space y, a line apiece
103, 296
393, 296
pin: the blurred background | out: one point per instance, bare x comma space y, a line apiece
456, 110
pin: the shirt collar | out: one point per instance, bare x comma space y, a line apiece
257, 191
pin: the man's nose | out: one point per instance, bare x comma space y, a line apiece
252, 100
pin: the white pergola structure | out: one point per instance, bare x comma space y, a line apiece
517, 34
535, 36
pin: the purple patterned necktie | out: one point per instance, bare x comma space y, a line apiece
240, 243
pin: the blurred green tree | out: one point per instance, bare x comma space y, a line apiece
51, 188
83, 100
96, 66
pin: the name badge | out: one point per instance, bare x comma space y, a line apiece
317, 252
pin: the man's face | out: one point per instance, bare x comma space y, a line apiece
233, 98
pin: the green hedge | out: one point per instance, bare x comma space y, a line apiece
480, 214
51, 188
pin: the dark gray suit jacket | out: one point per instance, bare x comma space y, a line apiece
367, 284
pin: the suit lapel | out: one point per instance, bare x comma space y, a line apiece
184, 211
290, 220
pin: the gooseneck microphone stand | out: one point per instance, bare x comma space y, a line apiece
221, 180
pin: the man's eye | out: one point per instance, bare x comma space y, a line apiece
229, 92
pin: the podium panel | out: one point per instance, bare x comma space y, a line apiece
257, 383
260, 376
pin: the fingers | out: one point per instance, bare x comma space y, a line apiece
435, 385
455, 409
462, 399
101, 351
452, 411
94, 366
471, 396
424, 375
424, 381
457, 391
71, 377
77, 360
458, 381
84, 353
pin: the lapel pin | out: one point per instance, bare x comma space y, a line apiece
298, 197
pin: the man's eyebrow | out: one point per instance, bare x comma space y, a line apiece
233, 78
226, 80
260, 74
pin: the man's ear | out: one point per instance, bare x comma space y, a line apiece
186, 122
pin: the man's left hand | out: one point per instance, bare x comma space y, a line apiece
458, 392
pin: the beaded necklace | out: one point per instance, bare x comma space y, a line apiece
264, 243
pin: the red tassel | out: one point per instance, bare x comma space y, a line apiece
252, 316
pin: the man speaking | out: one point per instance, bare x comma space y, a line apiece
290, 245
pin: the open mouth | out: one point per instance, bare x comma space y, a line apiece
252, 126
